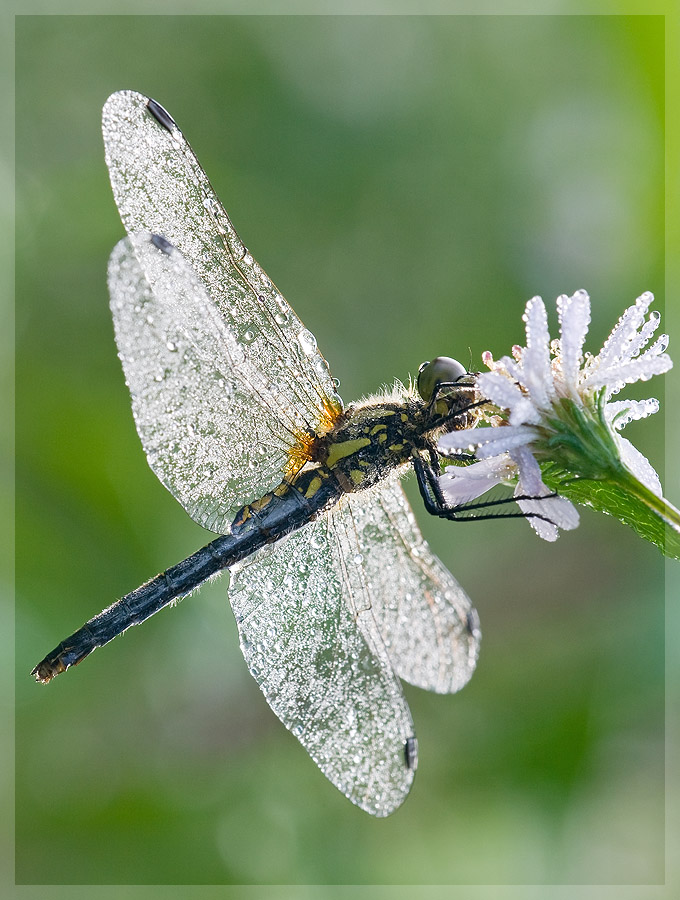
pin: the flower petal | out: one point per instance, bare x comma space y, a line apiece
536, 372
561, 512
638, 465
644, 335
497, 439
507, 437
461, 484
507, 395
616, 346
529, 473
574, 315
464, 439
620, 412
627, 372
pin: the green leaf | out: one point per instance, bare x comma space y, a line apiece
653, 518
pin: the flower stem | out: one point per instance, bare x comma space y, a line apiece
656, 504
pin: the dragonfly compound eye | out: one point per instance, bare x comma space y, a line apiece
442, 370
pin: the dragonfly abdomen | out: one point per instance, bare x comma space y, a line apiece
137, 606
289, 506
266, 520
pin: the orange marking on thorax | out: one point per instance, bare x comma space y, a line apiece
305, 448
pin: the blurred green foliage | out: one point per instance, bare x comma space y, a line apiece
408, 183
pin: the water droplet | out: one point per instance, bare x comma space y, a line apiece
149, 320
248, 336
307, 342
280, 318
247, 258
172, 346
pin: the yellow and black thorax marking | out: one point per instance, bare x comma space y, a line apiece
372, 441
366, 444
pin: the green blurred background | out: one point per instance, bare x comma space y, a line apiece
408, 183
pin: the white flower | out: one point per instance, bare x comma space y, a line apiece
553, 404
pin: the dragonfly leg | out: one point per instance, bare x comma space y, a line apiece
436, 504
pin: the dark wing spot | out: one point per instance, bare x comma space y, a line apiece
411, 753
162, 243
472, 622
162, 116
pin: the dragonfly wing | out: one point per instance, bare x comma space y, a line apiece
427, 622
280, 378
202, 434
310, 641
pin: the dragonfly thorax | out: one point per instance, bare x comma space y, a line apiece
368, 443
371, 441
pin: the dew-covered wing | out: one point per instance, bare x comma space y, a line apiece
280, 379
205, 438
427, 622
310, 640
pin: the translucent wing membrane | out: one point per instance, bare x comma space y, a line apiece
329, 616
160, 188
310, 640
226, 384
205, 436
429, 626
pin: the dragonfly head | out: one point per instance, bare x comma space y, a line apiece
437, 376
447, 387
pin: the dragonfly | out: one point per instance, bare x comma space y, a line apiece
336, 595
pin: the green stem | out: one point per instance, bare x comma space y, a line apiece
656, 504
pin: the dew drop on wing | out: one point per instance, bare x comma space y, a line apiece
307, 342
